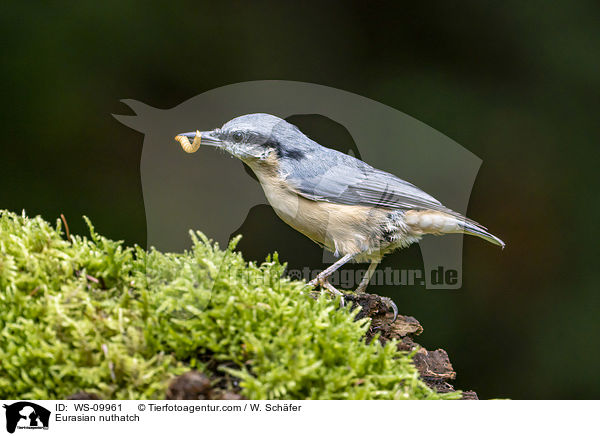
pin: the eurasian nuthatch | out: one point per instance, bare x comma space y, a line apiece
354, 210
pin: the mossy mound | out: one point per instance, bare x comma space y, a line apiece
89, 314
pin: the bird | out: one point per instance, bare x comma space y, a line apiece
356, 211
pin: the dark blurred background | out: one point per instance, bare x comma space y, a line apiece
516, 83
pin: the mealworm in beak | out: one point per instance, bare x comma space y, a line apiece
186, 145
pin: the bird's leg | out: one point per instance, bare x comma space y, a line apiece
321, 278
362, 286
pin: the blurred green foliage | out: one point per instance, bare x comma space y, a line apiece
515, 82
92, 315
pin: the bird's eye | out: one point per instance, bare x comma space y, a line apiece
237, 137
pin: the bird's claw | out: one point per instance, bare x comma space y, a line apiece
323, 283
391, 305
334, 291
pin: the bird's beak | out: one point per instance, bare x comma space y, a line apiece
206, 138
191, 141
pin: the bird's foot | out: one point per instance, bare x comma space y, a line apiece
388, 301
318, 281
324, 283
391, 305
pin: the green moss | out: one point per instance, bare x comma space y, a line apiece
90, 314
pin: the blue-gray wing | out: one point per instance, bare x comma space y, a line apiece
338, 178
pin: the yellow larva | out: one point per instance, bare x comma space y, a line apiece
186, 145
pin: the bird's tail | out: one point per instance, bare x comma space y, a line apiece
447, 221
472, 228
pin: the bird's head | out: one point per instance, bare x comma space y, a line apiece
251, 137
